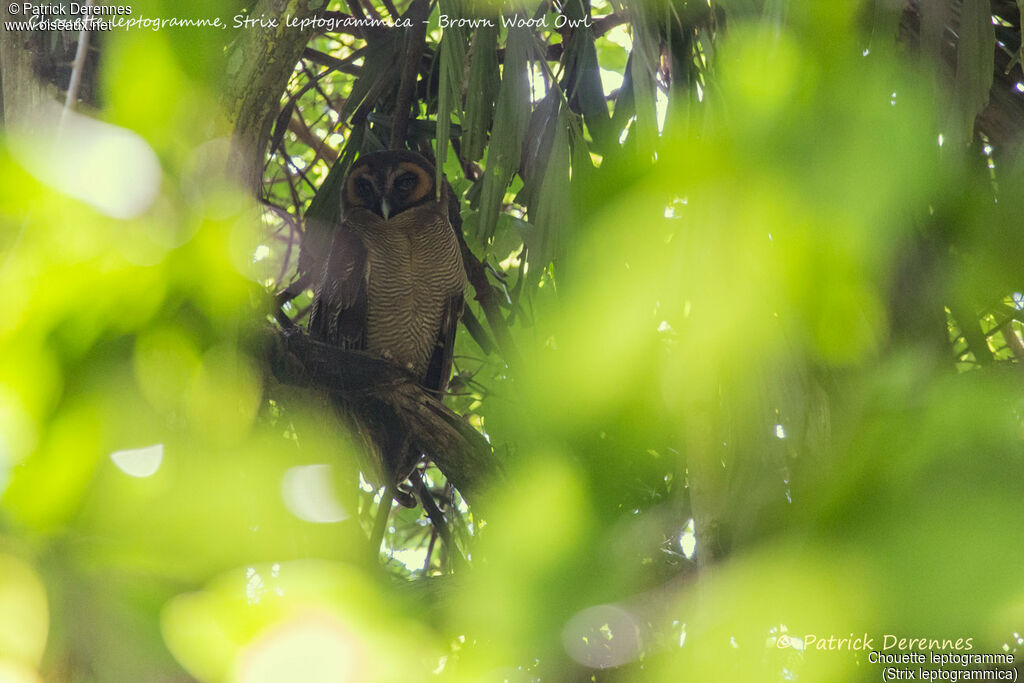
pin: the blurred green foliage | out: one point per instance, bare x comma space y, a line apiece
752, 402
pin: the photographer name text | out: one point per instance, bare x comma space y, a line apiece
857, 642
72, 9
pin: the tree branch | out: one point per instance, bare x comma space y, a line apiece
23, 94
417, 13
367, 385
320, 148
1013, 341
259, 63
324, 59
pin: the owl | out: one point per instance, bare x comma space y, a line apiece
392, 280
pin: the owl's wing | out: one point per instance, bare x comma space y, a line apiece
338, 315
439, 370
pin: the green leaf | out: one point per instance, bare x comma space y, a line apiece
378, 65
453, 58
481, 91
549, 210
642, 67
611, 56
537, 146
624, 107
582, 81
510, 121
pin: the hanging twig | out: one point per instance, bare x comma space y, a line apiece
1013, 341
81, 52
435, 515
281, 212
430, 550
320, 148
292, 233
284, 116
296, 201
323, 59
316, 78
301, 173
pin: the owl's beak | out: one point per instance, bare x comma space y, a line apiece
385, 208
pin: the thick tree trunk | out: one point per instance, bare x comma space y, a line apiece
259, 64
21, 92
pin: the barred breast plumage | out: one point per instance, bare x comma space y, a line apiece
415, 268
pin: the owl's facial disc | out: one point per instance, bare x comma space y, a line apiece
388, 183
408, 185
362, 190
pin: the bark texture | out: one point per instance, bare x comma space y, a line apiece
259, 63
21, 92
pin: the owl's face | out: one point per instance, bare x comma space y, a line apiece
388, 183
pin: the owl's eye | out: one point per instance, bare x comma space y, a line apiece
364, 187
406, 182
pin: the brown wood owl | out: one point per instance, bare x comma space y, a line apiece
392, 282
